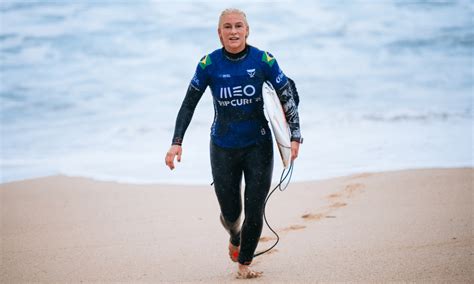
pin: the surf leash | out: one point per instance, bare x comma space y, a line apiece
285, 174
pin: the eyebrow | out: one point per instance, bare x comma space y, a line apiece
227, 23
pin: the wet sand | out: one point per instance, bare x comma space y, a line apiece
411, 225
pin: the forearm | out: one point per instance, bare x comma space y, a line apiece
185, 114
287, 97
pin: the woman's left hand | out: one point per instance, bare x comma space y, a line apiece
295, 147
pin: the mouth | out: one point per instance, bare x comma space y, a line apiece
234, 38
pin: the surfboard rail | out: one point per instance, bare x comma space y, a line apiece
280, 128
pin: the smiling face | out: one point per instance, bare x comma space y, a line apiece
233, 31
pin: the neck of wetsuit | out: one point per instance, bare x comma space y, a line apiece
236, 56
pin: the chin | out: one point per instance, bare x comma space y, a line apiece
235, 46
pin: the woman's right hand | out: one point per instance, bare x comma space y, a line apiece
175, 150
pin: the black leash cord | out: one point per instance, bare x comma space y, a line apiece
283, 177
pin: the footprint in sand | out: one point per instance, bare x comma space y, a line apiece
353, 188
338, 204
294, 227
334, 195
349, 191
337, 200
266, 239
314, 217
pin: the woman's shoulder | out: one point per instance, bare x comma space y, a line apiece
262, 55
208, 58
255, 52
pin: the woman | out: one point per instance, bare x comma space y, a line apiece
241, 143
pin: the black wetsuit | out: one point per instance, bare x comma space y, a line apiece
241, 144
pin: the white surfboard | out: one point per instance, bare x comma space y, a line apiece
276, 116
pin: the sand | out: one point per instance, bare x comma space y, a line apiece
411, 225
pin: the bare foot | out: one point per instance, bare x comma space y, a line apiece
233, 252
246, 273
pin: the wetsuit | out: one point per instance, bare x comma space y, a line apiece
241, 143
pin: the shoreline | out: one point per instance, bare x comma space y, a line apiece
406, 225
205, 184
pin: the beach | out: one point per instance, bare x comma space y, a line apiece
382, 190
409, 225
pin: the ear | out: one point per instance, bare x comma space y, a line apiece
248, 32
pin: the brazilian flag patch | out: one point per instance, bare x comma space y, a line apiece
267, 58
205, 61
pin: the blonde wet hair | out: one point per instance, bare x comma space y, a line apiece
233, 11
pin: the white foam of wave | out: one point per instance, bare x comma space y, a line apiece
93, 89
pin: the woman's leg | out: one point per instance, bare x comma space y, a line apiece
227, 173
258, 170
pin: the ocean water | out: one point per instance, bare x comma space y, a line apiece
92, 88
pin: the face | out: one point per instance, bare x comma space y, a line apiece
233, 32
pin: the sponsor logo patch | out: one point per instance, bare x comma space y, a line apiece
280, 76
195, 80
251, 72
237, 91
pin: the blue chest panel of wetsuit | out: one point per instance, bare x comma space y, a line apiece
236, 87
